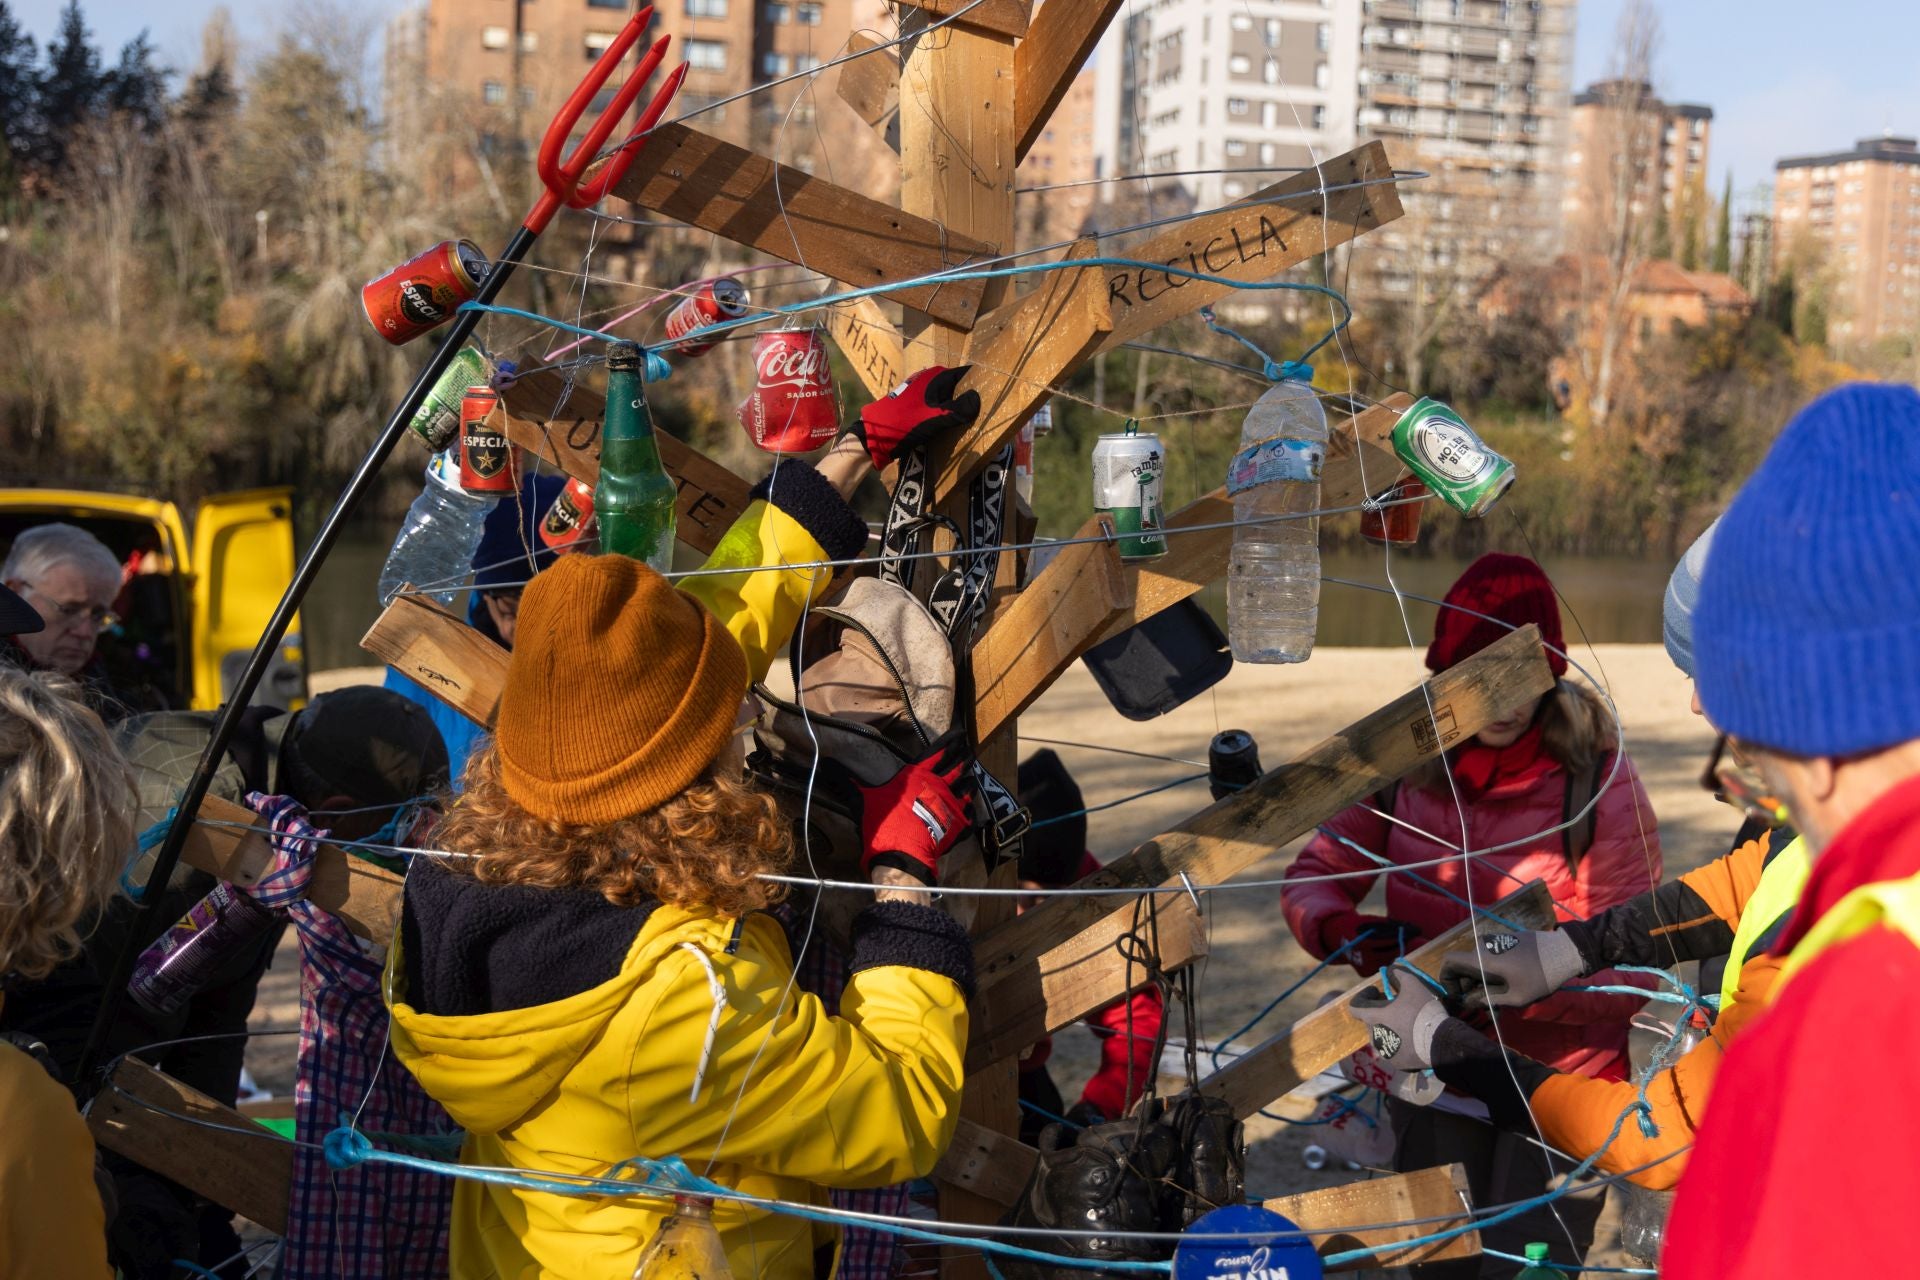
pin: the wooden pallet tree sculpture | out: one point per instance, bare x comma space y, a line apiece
974, 91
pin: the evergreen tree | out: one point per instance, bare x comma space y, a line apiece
1662, 245
1691, 200
136, 88
19, 88
1723, 238
71, 89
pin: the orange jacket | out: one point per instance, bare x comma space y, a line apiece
1575, 1113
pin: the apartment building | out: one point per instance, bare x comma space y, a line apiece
1254, 87
1055, 181
496, 71
1474, 93
1617, 123
1851, 220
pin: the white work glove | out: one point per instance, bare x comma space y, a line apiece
1520, 966
1421, 1088
1401, 1019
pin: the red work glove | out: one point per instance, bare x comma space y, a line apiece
1386, 941
916, 411
908, 821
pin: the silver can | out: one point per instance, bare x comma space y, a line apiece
1127, 475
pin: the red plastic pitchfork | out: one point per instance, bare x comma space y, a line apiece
562, 179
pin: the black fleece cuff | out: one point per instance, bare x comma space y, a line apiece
905, 933
1586, 937
1466, 1060
803, 493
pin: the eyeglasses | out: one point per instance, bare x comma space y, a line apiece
1735, 782
68, 612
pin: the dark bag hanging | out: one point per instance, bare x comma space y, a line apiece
1153, 667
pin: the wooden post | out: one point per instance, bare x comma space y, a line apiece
1426, 1197
181, 1133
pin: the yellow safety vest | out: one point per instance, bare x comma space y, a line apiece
1893, 903
1773, 898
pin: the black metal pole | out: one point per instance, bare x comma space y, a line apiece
188, 806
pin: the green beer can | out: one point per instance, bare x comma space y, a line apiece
1438, 446
1127, 471
437, 420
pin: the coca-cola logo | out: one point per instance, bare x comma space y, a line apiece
801, 366
420, 302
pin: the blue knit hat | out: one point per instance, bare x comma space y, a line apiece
1683, 597
511, 530
1807, 638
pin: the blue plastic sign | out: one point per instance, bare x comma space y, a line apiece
1248, 1243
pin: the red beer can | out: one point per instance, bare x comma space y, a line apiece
1397, 525
421, 293
793, 407
709, 304
486, 455
569, 518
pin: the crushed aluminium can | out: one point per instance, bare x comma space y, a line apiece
1127, 475
437, 420
422, 293
486, 455
793, 407
569, 518
1442, 450
724, 299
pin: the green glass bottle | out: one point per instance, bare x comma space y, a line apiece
633, 499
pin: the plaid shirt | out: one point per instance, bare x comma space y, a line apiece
821, 968
374, 1222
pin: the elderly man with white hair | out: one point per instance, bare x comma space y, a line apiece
71, 579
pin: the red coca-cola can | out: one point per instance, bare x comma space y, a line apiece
1397, 525
422, 293
569, 518
486, 455
793, 407
709, 304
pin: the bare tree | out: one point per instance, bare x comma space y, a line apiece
1620, 203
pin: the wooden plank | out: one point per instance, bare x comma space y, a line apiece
542, 415
714, 185
365, 897
993, 1166
181, 1133
870, 343
1233, 834
1044, 65
1018, 352
1414, 1198
1087, 974
1288, 1059
1273, 229
1004, 17
870, 84
1357, 447
1048, 626
441, 654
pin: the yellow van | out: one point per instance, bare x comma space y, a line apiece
191, 610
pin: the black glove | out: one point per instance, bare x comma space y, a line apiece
915, 412
1110, 1178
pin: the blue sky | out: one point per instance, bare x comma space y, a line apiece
1779, 84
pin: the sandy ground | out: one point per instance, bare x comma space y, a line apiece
1287, 709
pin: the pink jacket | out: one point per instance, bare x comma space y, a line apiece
1586, 1034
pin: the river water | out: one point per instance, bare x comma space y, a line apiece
1606, 600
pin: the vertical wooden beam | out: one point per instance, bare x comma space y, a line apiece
957, 162
1058, 44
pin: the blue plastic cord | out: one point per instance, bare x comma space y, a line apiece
149, 838
192, 1268
346, 1148
942, 277
1275, 370
1571, 1268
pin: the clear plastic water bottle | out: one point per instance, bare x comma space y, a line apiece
440, 535
1273, 582
1643, 1211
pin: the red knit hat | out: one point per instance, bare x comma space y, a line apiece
1511, 588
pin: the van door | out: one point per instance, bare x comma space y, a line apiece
243, 559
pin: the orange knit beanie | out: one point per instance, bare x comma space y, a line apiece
621, 690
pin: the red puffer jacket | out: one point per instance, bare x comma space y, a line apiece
1585, 1034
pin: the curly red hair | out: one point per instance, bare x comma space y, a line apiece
705, 848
